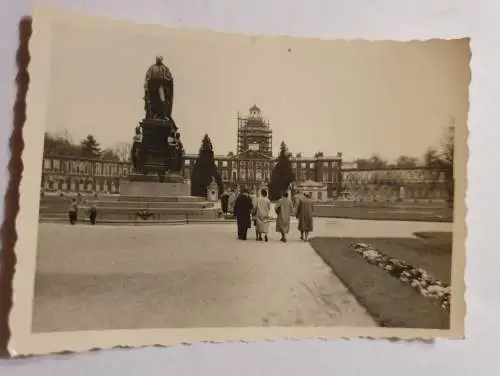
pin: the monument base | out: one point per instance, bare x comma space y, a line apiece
170, 177
154, 188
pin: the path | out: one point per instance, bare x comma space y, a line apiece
105, 277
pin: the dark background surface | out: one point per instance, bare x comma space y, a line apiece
9, 235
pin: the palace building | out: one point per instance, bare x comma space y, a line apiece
253, 162
325, 177
249, 168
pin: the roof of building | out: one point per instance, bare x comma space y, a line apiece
254, 108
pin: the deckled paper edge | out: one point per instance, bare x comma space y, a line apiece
25, 343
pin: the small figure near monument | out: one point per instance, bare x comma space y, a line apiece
93, 214
73, 211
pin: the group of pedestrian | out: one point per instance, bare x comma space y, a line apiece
247, 208
73, 212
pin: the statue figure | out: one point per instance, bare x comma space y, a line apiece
158, 91
157, 147
179, 154
136, 150
175, 152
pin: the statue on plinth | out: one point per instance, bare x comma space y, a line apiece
159, 91
157, 147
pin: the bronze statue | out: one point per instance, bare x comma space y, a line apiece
175, 152
158, 91
136, 150
157, 147
179, 154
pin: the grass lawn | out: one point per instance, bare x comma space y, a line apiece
391, 302
430, 214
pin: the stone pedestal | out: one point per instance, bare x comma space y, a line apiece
153, 188
153, 149
170, 177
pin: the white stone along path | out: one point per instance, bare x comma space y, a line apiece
127, 277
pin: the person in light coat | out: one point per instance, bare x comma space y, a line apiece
231, 201
262, 209
284, 210
305, 216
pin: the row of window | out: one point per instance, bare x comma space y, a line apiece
243, 164
398, 175
86, 168
325, 177
267, 165
243, 175
312, 165
122, 169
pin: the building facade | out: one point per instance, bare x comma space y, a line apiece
391, 183
249, 168
253, 162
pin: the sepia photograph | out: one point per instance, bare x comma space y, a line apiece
185, 179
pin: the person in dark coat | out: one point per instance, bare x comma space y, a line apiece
224, 201
243, 211
93, 214
73, 211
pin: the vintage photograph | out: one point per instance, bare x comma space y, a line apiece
195, 179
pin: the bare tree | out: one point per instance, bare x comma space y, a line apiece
123, 150
431, 158
406, 161
374, 162
448, 144
443, 159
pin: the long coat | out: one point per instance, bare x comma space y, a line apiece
304, 215
262, 208
243, 211
284, 209
231, 201
224, 201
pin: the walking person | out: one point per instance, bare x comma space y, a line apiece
231, 201
253, 197
73, 211
262, 209
243, 211
224, 201
93, 214
305, 216
284, 209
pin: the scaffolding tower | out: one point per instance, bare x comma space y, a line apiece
254, 132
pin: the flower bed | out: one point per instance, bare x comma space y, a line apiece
417, 278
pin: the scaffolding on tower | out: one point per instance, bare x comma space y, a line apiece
254, 130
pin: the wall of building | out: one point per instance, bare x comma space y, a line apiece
87, 175
250, 173
392, 183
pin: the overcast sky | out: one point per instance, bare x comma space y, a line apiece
355, 97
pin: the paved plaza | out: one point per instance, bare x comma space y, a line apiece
127, 277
